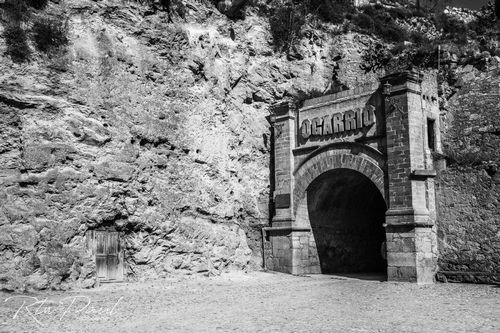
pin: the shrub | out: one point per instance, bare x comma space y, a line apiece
398, 49
400, 57
453, 28
378, 21
286, 23
486, 21
329, 11
37, 4
425, 56
375, 57
287, 19
15, 10
400, 13
391, 33
364, 22
18, 10
449, 24
17, 46
50, 33
419, 38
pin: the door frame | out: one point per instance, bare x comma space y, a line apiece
92, 244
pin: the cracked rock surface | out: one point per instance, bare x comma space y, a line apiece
154, 127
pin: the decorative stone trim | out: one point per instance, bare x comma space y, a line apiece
423, 174
329, 160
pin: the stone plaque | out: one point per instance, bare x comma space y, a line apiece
282, 200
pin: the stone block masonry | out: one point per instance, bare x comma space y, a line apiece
381, 135
467, 191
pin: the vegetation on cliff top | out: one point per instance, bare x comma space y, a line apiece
27, 20
407, 36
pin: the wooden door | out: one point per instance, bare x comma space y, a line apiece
108, 255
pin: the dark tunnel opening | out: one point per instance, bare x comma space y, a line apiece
347, 213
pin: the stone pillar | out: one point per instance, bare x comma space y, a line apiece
282, 119
410, 252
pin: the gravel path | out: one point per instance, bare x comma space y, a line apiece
259, 301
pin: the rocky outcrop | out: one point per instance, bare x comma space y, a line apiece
155, 128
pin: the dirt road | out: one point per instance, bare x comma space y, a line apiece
259, 301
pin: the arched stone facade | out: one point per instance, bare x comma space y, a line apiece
347, 155
379, 131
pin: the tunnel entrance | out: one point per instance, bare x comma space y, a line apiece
347, 212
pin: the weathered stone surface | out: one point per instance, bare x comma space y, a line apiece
111, 170
147, 130
468, 193
21, 237
41, 157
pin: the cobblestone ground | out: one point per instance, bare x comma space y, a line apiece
259, 301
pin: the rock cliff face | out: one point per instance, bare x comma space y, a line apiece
155, 128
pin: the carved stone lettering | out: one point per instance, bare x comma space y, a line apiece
305, 129
349, 120
317, 126
359, 118
338, 123
368, 115
327, 125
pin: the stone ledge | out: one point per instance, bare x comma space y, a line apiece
282, 118
301, 150
410, 224
406, 211
364, 139
286, 228
423, 174
367, 89
408, 216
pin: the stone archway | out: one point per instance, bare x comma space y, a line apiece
366, 160
327, 185
346, 213
372, 140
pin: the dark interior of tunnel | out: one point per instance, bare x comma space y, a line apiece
347, 212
